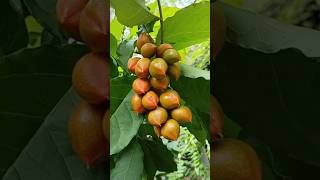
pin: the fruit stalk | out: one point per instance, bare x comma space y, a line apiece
161, 21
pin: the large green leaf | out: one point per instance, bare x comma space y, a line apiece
124, 125
133, 12
189, 26
129, 166
119, 89
124, 52
32, 82
49, 154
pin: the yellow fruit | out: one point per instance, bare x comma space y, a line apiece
158, 116
150, 100
171, 130
148, 50
182, 114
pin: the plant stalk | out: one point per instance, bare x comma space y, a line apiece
161, 21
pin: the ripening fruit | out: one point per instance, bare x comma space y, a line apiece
158, 68
174, 71
140, 86
217, 119
158, 116
219, 28
90, 78
132, 62
106, 125
157, 130
142, 68
162, 48
68, 14
170, 99
182, 114
160, 84
233, 159
171, 130
150, 100
148, 50
136, 104
143, 38
171, 56
86, 133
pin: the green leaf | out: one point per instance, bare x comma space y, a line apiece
189, 26
129, 166
124, 125
125, 51
133, 12
49, 154
113, 46
192, 72
119, 89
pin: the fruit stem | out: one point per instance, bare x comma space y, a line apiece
161, 21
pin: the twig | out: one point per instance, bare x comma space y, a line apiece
161, 21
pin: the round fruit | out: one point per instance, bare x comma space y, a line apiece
144, 38
170, 99
148, 50
132, 62
86, 133
160, 84
219, 28
68, 14
142, 68
174, 71
140, 86
162, 48
106, 125
234, 159
157, 130
171, 130
158, 68
217, 119
158, 116
90, 78
150, 100
94, 25
182, 114
171, 56
136, 104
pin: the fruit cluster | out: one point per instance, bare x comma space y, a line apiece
153, 94
87, 21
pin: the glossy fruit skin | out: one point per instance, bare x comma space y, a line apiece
158, 116
217, 119
86, 133
171, 56
68, 14
132, 62
182, 114
162, 48
157, 130
94, 25
143, 38
140, 86
142, 68
170, 99
161, 84
158, 68
150, 100
171, 130
174, 71
90, 78
136, 104
148, 50
218, 29
106, 125
233, 159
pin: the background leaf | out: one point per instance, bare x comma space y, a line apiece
119, 89
125, 51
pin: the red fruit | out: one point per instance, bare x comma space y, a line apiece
150, 100
136, 104
161, 84
170, 99
68, 14
142, 68
158, 68
90, 78
132, 62
143, 38
141, 86
217, 119
182, 114
148, 50
162, 48
174, 71
158, 116
171, 130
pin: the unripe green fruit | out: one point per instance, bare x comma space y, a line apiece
148, 50
150, 100
174, 71
171, 56
157, 130
162, 48
160, 84
144, 38
170, 99
158, 68
182, 114
132, 62
171, 130
142, 68
140, 86
158, 116
136, 104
